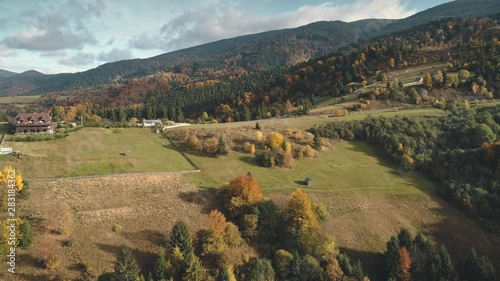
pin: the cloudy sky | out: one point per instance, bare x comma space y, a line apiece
54, 36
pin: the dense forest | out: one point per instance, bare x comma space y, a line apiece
466, 46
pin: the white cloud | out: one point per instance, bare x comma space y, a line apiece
213, 23
79, 59
55, 26
115, 55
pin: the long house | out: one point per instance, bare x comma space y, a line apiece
34, 124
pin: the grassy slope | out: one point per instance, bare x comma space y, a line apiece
19, 100
95, 151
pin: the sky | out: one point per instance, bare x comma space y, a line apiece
56, 36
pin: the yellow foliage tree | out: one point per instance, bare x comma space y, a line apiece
300, 212
5, 176
392, 62
275, 139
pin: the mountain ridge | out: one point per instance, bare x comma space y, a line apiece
247, 53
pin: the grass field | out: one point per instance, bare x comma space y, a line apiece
97, 151
368, 199
19, 100
331, 171
309, 121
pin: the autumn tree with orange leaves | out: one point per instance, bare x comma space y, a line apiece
240, 194
404, 265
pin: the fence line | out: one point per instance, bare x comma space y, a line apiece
115, 175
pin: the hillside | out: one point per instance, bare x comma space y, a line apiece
6, 73
214, 60
458, 8
240, 55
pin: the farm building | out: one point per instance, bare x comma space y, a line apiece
33, 124
308, 182
151, 123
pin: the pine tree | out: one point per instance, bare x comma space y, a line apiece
295, 266
317, 141
221, 148
357, 272
194, 270
345, 264
257, 126
27, 236
404, 238
126, 266
392, 256
160, 267
180, 237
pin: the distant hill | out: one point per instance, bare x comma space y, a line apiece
458, 8
262, 51
6, 73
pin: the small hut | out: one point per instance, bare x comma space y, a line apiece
308, 182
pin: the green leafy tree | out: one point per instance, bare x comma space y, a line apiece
310, 269
260, 270
282, 262
126, 266
485, 134
221, 148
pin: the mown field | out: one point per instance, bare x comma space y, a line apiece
368, 200
97, 151
19, 100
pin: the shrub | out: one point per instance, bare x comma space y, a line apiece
194, 143
274, 139
265, 159
27, 236
308, 151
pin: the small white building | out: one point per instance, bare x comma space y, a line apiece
151, 123
5, 150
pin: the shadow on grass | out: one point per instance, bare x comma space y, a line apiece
205, 197
249, 160
152, 236
302, 183
373, 263
145, 259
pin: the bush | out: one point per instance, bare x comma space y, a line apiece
275, 140
265, 159
308, 151
27, 236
